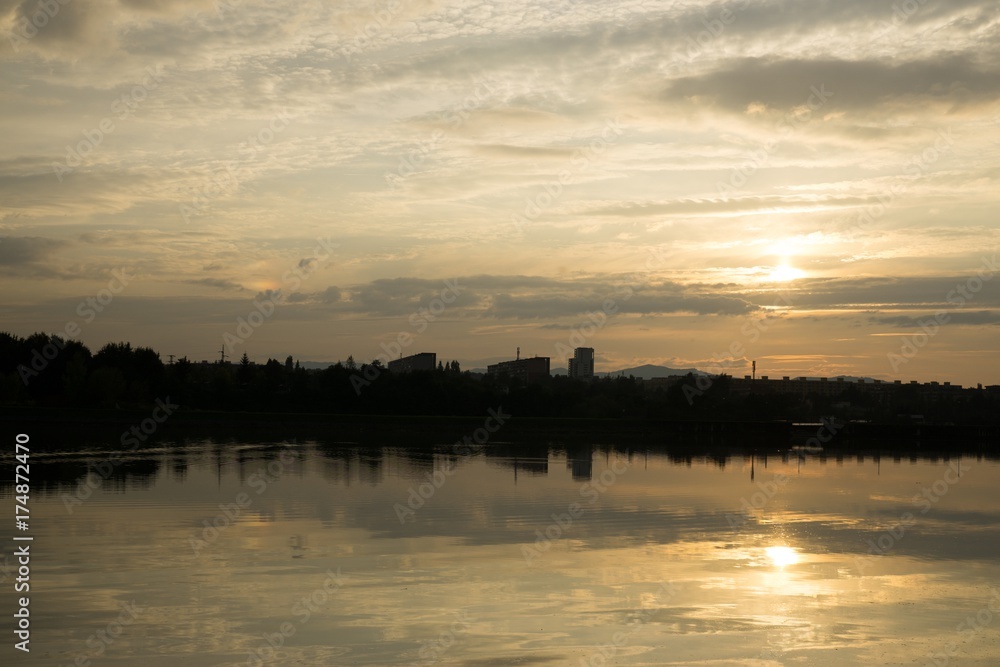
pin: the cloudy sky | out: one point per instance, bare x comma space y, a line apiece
809, 184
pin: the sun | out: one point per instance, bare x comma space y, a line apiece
784, 251
784, 273
782, 556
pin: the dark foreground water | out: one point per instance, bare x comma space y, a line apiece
235, 554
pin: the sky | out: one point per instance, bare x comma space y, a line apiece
808, 184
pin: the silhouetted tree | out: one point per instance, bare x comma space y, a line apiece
246, 371
107, 385
48, 371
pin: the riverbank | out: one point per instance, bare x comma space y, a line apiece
71, 425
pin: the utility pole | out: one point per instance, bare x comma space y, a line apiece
222, 352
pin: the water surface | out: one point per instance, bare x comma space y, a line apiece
306, 554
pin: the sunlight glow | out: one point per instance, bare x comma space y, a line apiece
266, 285
784, 273
781, 556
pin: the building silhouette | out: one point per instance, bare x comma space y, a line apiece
832, 387
422, 361
582, 363
803, 386
531, 369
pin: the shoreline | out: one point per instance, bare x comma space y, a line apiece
437, 429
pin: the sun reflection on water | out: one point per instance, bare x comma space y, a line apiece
781, 556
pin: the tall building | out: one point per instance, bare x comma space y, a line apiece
422, 361
531, 369
582, 363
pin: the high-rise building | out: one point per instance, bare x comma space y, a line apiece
582, 363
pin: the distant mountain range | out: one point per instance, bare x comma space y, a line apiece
647, 371
644, 372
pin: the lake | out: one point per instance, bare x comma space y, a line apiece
224, 554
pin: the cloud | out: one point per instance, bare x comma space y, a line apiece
540, 298
731, 205
881, 293
967, 318
330, 295
168, 6
219, 283
529, 152
874, 86
537, 297
59, 28
498, 297
18, 251
404, 296
650, 301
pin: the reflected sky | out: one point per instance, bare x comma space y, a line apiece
539, 556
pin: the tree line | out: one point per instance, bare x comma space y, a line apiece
49, 371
